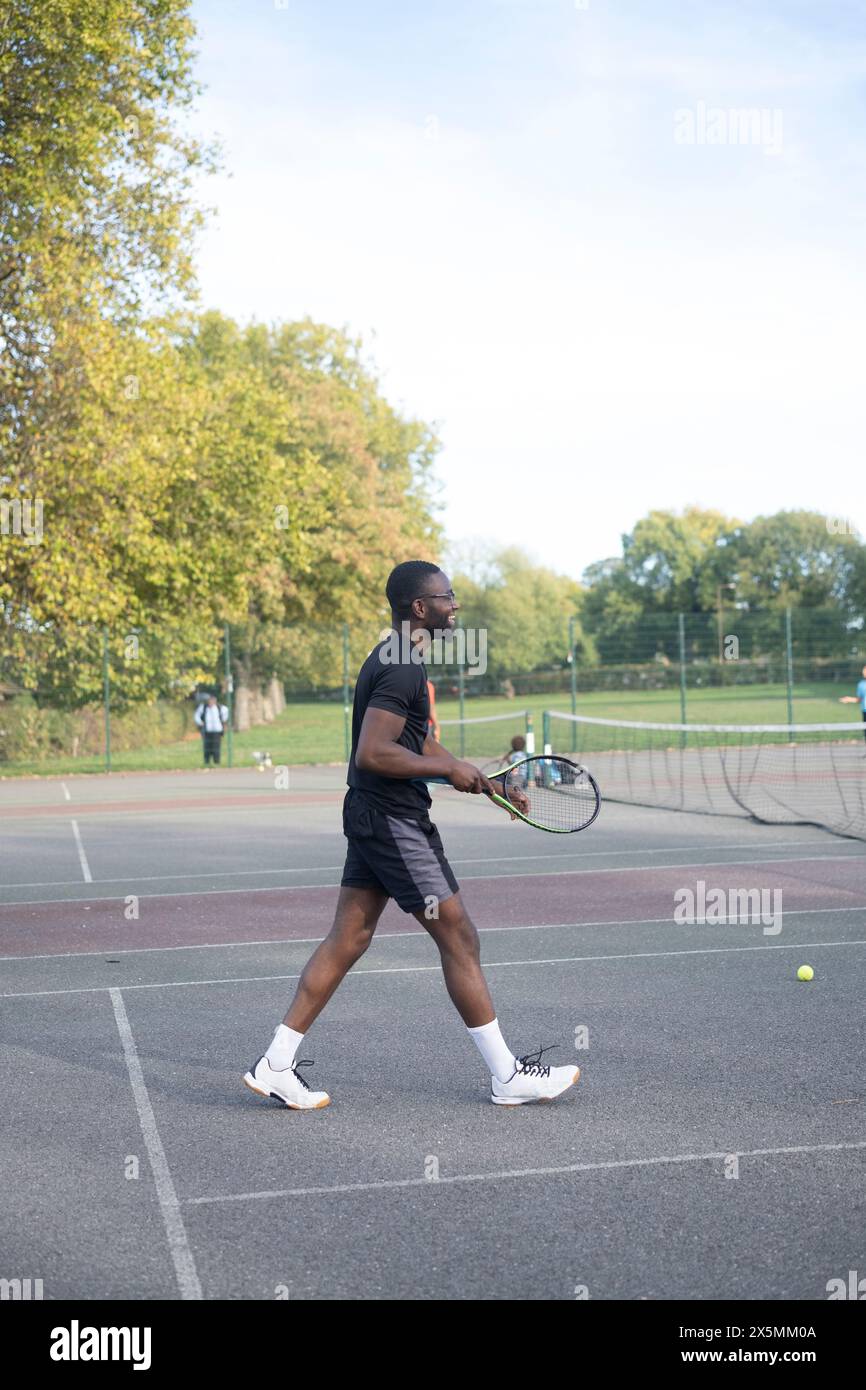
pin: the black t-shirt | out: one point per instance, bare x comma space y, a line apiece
397, 684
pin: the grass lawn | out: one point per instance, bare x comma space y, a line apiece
313, 732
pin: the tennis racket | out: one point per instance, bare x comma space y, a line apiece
549, 793
493, 766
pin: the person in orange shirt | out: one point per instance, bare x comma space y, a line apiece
433, 722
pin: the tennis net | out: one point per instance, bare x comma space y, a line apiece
486, 737
806, 774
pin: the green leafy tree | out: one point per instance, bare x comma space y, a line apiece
96, 221
685, 564
799, 558
525, 609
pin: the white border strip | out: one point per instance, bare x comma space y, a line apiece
423, 969
388, 935
707, 728
464, 878
501, 1176
484, 719
477, 859
85, 867
189, 877
178, 1243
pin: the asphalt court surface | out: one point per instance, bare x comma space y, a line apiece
152, 927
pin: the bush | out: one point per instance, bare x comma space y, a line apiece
31, 733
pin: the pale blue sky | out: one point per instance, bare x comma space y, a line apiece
559, 243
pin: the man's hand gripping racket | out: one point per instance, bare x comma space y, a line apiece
549, 793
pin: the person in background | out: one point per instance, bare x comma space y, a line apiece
432, 722
517, 751
546, 774
858, 699
212, 719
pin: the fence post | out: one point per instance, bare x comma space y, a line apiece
230, 686
682, 636
346, 741
573, 680
106, 695
545, 732
789, 671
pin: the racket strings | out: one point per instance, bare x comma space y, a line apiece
560, 795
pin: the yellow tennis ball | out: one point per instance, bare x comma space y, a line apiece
805, 972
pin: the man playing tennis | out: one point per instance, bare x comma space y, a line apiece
394, 851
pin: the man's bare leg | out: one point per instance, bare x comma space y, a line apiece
355, 921
513, 1081
275, 1074
460, 953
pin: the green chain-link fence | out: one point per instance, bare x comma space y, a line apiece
101, 698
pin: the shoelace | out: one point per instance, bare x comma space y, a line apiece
298, 1074
530, 1065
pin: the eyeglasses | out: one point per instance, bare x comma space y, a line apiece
450, 594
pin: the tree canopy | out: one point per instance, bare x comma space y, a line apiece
190, 471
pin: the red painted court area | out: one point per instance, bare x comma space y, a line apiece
200, 822
293, 913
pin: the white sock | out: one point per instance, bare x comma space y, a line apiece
491, 1044
281, 1053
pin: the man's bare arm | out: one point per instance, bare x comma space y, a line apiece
378, 751
432, 746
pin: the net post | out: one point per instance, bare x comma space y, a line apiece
682, 643
545, 731
230, 686
346, 743
789, 671
573, 681
106, 696
530, 736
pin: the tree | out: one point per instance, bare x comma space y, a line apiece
191, 472
96, 219
797, 557
352, 486
95, 177
525, 610
683, 564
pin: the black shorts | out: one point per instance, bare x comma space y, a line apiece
403, 858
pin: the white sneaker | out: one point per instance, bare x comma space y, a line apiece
287, 1086
532, 1082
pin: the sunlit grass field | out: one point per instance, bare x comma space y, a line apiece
314, 731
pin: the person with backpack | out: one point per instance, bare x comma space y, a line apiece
212, 719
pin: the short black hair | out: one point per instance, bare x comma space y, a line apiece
404, 584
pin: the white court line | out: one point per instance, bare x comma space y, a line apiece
178, 1244
467, 878
422, 969
66, 791
386, 1183
85, 867
387, 936
483, 859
